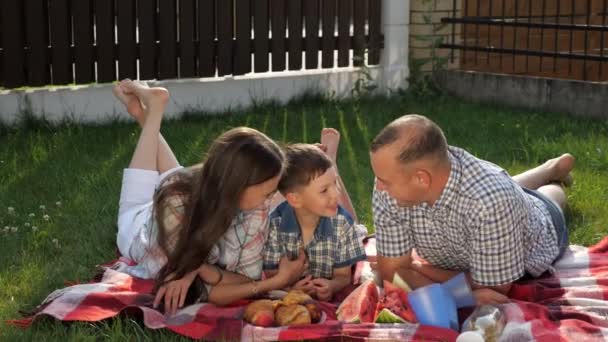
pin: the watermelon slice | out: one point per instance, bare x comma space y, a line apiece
395, 301
399, 282
387, 316
359, 306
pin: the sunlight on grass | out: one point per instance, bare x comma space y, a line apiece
284, 137
304, 128
345, 140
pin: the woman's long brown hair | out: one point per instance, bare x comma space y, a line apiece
239, 158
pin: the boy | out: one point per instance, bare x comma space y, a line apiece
312, 218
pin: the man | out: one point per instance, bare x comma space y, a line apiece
460, 213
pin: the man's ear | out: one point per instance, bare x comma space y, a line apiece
423, 177
293, 198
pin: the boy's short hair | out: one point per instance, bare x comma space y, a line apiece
305, 162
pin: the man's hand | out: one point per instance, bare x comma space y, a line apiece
489, 296
173, 293
388, 266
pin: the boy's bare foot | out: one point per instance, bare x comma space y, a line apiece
131, 102
150, 98
561, 167
330, 138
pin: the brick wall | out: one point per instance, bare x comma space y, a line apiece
421, 29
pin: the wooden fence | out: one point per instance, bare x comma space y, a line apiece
83, 41
549, 38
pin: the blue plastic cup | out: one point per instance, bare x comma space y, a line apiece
434, 306
459, 289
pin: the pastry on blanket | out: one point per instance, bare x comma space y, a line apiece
260, 312
293, 314
314, 311
296, 297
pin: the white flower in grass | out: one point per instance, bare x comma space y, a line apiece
42, 207
56, 243
6, 229
14, 229
34, 229
32, 215
10, 210
46, 217
27, 224
58, 203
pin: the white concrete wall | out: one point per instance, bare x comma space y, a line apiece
95, 103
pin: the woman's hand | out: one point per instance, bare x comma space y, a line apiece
174, 292
291, 271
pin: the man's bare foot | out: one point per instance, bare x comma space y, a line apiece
131, 102
149, 97
330, 138
561, 167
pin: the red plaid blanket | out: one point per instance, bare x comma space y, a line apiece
571, 305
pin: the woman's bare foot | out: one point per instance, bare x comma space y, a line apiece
131, 102
561, 167
330, 139
148, 98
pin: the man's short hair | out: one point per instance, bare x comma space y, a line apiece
422, 138
305, 162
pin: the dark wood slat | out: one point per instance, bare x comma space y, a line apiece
224, 35
261, 43
375, 31
83, 41
242, 60
61, 58
206, 37
127, 49
12, 43
279, 22
36, 31
168, 37
147, 19
295, 34
329, 27
311, 11
104, 24
1, 50
360, 13
187, 58
344, 19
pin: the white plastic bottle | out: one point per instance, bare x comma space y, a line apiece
484, 325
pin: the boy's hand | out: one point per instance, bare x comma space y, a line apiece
322, 288
291, 271
305, 284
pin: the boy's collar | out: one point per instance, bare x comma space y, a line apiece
289, 222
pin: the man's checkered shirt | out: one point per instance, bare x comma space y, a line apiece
483, 223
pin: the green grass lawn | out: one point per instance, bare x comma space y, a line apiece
72, 174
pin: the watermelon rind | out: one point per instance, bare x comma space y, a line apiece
387, 316
400, 283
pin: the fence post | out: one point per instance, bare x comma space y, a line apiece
394, 62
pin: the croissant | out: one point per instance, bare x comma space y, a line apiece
293, 314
